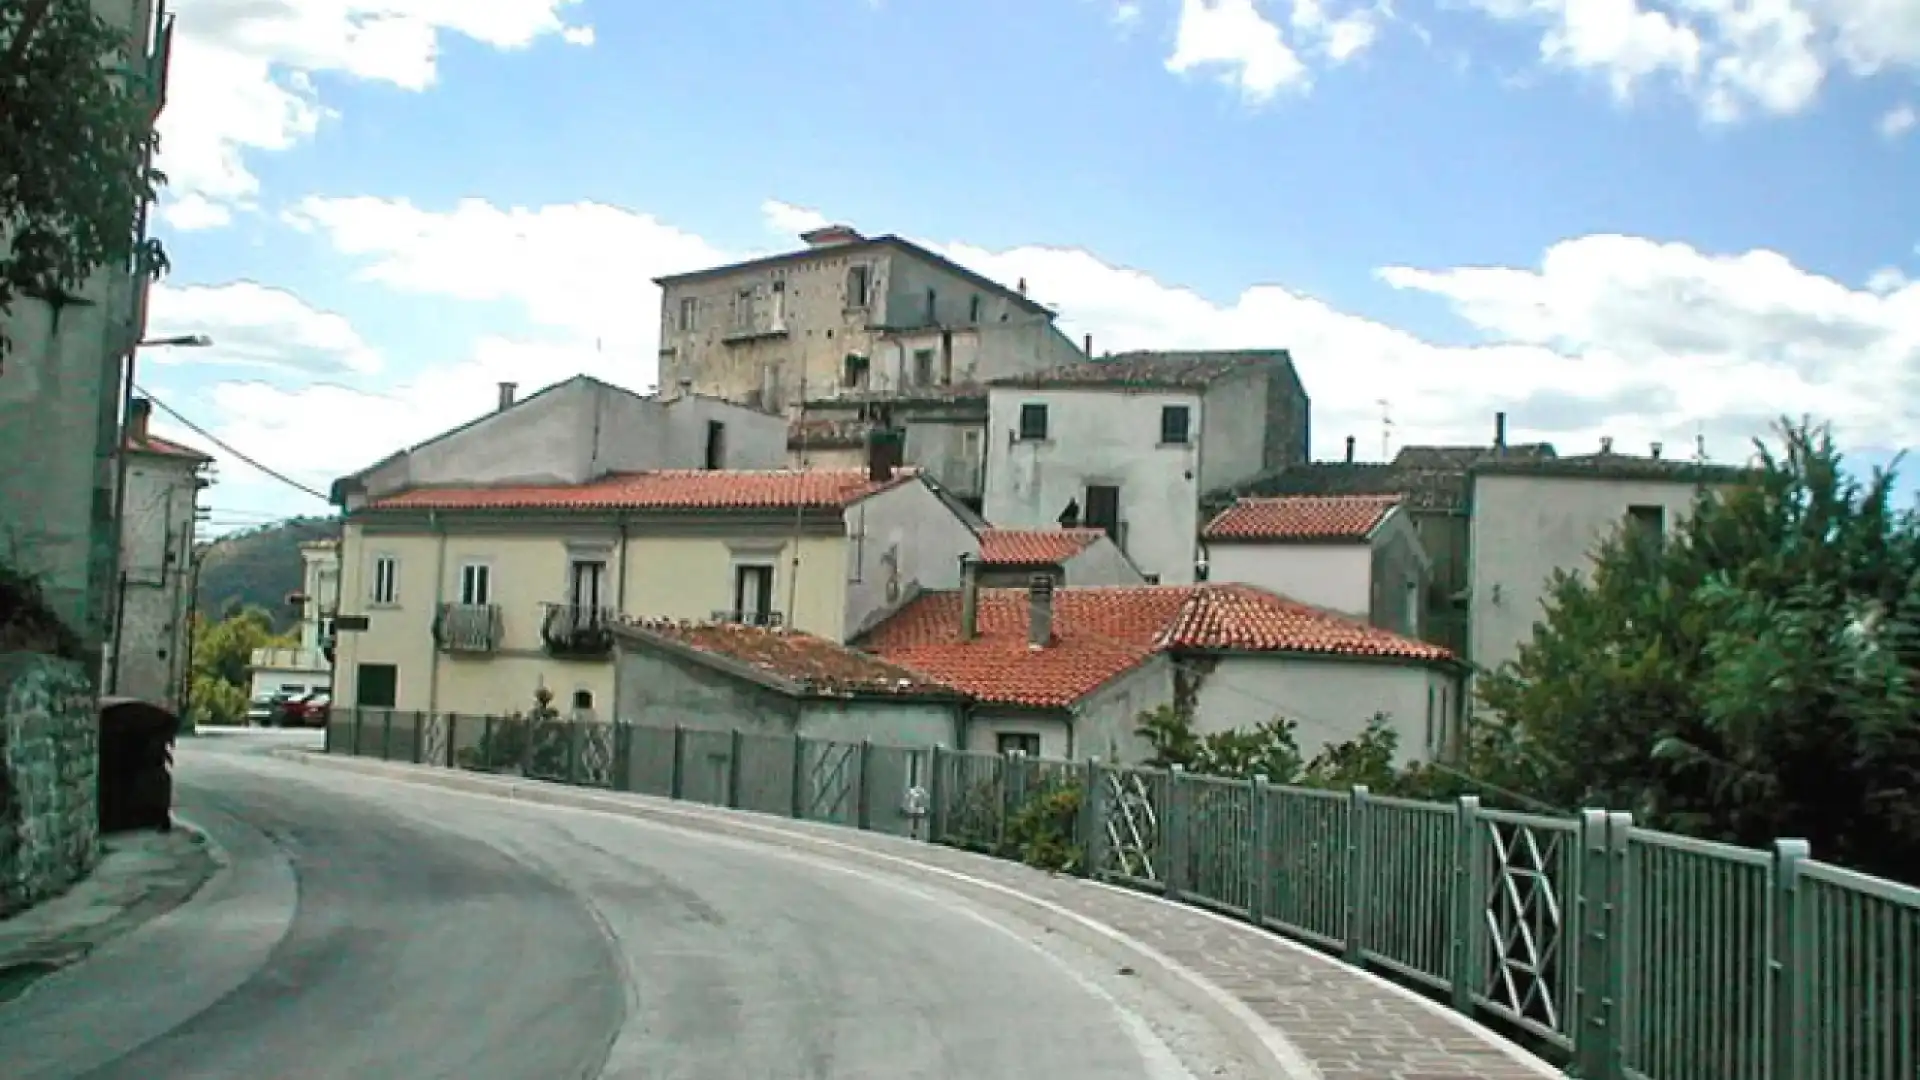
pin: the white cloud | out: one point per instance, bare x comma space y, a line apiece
1735, 57
1898, 121
1233, 40
1608, 335
255, 326
242, 76
789, 220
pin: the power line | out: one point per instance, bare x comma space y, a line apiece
237, 455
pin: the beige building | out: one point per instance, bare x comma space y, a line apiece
1531, 518
847, 315
146, 652
465, 598
1355, 554
306, 667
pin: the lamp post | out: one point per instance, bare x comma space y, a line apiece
181, 341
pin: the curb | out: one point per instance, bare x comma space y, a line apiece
1265, 1046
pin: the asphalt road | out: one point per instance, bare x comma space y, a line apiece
367, 929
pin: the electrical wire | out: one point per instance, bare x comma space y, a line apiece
235, 454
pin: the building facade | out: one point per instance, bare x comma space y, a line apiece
307, 666
61, 402
1128, 444
1355, 554
146, 654
846, 315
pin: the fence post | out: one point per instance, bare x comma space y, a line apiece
488, 747
453, 740
736, 748
1613, 1015
936, 795
353, 732
622, 778
863, 807
1173, 832
1092, 820
1464, 914
1786, 963
1589, 907
1259, 871
386, 737
677, 777
1358, 867
799, 777
419, 736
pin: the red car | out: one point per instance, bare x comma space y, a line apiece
308, 710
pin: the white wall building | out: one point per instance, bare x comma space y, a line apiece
146, 654
1355, 554
305, 667
1129, 443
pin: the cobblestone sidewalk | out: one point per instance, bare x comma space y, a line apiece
1346, 1024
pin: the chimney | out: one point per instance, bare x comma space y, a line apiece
1499, 431
969, 598
1039, 611
506, 395
1656, 451
831, 235
1023, 286
1349, 449
884, 451
1606, 444
1087, 347
139, 411
686, 388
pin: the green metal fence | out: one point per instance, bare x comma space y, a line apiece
1618, 952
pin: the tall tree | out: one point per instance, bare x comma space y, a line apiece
1755, 674
77, 104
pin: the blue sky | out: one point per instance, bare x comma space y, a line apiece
1652, 227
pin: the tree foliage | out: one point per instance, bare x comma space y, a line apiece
1272, 750
1751, 676
222, 664
76, 149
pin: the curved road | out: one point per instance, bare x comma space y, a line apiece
368, 929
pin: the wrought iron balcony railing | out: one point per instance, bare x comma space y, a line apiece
768, 619
577, 630
468, 628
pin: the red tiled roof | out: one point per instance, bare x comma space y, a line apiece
1301, 518
782, 489
816, 664
155, 445
1101, 632
1034, 547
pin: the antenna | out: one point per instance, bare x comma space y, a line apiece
1386, 428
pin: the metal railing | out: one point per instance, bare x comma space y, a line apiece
575, 630
1617, 952
467, 628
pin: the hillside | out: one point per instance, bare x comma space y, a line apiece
259, 567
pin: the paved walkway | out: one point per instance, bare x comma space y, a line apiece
1344, 1024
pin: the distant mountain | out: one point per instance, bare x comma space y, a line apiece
259, 567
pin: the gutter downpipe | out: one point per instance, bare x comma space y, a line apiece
439, 594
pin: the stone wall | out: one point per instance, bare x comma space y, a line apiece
49, 797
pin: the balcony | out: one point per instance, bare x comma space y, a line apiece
467, 628
769, 619
575, 632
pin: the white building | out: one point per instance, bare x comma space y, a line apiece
1129, 443
306, 667
146, 654
1355, 554
1011, 557
1532, 518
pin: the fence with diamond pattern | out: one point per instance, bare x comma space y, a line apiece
1622, 953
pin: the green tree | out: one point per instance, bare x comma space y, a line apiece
222, 663
1752, 675
76, 149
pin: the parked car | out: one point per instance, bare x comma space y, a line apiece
264, 711
307, 710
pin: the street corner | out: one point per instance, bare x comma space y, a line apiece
140, 877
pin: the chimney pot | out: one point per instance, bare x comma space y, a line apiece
1606, 444
1087, 347
1039, 611
1023, 286
1500, 431
139, 411
506, 394
1656, 450
883, 454
969, 598
1350, 449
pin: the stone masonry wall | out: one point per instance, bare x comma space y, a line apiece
49, 797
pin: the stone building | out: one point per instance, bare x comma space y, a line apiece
147, 648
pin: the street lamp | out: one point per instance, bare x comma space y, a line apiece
181, 341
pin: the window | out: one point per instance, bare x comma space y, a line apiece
973, 309
923, 367
386, 580
586, 580
858, 281
1174, 421
689, 310
753, 594
1023, 743
376, 686
476, 584
853, 371
716, 456
582, 700
1103, 509
743, 309
1033, 422
1648, 521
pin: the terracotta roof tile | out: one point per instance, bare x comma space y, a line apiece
1302, 518
783, 489
1185, 370
1034, 547
153, 444
819, 666
1102, 632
